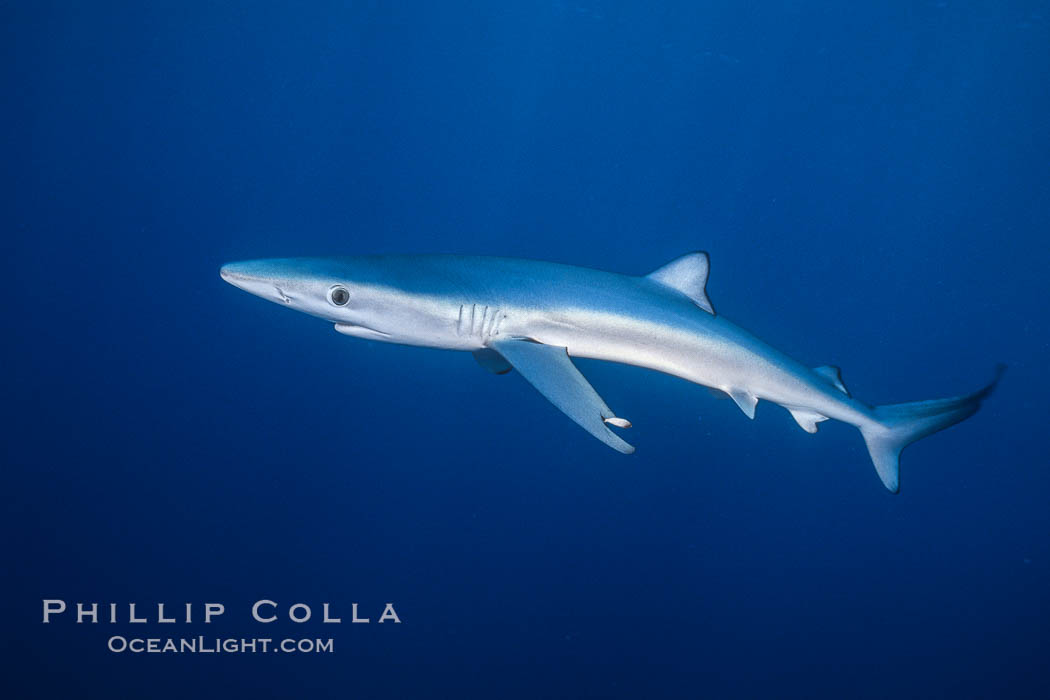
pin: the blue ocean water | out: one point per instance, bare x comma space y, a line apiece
871, 181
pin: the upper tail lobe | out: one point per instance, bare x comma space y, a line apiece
899, 425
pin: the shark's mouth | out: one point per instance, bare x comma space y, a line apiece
359, 331
281, 295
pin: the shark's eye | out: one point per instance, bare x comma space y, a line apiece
338, 296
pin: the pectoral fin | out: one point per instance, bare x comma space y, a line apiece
549, 369
492, 361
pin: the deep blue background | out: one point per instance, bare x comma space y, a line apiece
871, 180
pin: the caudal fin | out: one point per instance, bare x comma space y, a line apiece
899, 425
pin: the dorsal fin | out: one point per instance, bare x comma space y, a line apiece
688, 275
833, 376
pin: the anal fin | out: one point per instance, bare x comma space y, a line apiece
806, 419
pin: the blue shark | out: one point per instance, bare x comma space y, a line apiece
534, 317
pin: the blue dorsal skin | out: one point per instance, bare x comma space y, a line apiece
534, 316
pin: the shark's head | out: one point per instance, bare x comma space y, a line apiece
322, 287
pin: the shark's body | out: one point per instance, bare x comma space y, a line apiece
534, 315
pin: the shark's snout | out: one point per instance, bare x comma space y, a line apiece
230, 273
256, 277
242, 276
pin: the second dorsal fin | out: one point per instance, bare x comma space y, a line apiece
833, 376
688, 275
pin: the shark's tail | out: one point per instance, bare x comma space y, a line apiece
899, 425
